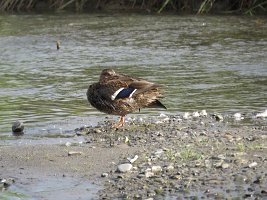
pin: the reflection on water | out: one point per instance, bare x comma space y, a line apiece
213, 63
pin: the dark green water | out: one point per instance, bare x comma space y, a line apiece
217, 63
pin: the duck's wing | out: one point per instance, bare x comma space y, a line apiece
126, 86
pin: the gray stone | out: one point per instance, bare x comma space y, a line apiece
125, 167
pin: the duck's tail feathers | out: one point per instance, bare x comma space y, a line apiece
157, 104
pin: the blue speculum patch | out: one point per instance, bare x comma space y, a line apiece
126, 92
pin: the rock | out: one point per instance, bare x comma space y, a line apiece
176, 177
195, 114
156, 169
225, 165
203, 113
17, 127
218, 117
97, 130
126, 140
238, 116
132, 160
68, 144
170, 168
221, 157
253, 164
218, 164
125, 167
159, 152
149, 174
162, 115
262, 115
72, 153
7, 182
186, 115
104, 175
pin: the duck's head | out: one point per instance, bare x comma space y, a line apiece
107, 73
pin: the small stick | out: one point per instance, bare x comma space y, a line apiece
58, 45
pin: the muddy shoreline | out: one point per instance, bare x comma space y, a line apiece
164, 157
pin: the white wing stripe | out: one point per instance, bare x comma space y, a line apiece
113, 97
132, 93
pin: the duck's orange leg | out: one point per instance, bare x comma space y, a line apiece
120, 123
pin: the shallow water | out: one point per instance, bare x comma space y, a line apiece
60, 188
217, 63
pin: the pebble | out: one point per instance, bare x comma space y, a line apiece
132, 160
263, 114
72, 153
218, 164
225, 165
125, 167
203, 113
68, 144
170, 168
7, 182
221, 157
253, 164
238, 116
186, 115
104, 175
126, 140
163, 115
218, 117
149, 174
96, 130
196, 114
156, 169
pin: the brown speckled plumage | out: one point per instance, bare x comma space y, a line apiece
145, 94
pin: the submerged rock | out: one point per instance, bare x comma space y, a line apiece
17, 127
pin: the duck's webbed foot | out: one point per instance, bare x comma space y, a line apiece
120, 123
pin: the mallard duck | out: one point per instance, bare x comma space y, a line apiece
119, 94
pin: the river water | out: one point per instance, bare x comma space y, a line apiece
217, 63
